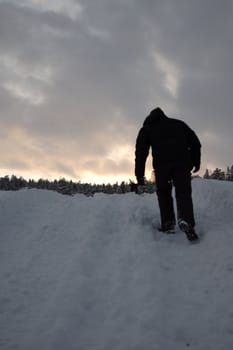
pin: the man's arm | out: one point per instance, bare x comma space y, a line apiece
141, 154
195, 148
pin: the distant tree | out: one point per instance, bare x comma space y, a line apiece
206, 175
228, 174
231, 173
218, 174
5, 183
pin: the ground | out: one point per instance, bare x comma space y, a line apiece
95, 274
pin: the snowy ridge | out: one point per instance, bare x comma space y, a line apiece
94, 274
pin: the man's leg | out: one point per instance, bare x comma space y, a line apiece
182, 183
164, 193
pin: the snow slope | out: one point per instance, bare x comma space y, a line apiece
82, 273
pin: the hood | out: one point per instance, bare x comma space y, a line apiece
155, 116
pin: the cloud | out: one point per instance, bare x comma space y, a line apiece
71, 8
171, 74
79, 77
24, 92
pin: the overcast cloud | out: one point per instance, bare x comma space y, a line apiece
77, 79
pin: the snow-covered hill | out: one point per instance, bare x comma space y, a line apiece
82, 273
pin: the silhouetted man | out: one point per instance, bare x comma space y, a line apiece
176, 150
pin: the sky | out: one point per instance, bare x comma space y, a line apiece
78, 78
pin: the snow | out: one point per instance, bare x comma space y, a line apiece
94, 274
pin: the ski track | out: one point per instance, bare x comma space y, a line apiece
94, 274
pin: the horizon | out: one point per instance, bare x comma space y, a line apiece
148, 178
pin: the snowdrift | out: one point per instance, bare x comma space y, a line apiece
94, 273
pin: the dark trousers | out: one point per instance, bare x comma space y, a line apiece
168, 175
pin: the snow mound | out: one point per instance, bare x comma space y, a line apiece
94, 273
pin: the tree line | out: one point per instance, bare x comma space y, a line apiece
69, 187
219, 174
14, 183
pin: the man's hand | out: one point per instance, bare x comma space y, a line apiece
196, 168
133, 187
141, 181
139, 187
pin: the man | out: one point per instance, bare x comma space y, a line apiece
176, 150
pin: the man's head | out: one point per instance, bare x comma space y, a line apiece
155, 116
157, 111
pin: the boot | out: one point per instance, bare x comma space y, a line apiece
188, 230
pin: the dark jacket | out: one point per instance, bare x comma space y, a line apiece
171, 140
